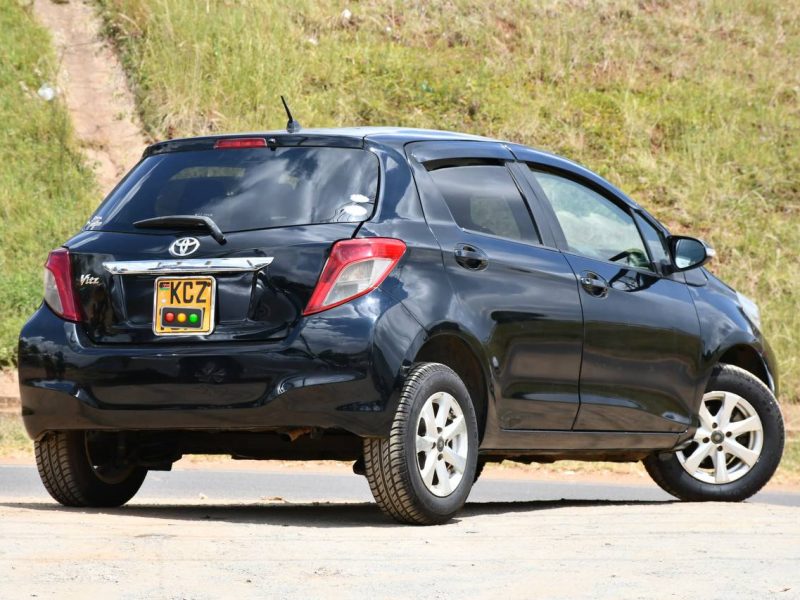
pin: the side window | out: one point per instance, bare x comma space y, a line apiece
592, 224
655, 241
485, 199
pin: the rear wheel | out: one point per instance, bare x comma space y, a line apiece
736, 448
79, 469
423, 473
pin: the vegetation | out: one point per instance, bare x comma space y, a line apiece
689, 106
45, 189
14, 441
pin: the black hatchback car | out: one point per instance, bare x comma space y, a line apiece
419, 302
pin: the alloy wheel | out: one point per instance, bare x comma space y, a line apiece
104, 469
728, 442
442, 444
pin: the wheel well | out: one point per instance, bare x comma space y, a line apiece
454, 352
748, 359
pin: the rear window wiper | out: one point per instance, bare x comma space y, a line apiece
183, 222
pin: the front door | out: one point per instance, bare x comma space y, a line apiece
641, 334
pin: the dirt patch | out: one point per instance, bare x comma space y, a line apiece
100, 105
546, 549
9, 390
95, 89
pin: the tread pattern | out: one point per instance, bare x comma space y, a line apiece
70, 479
55, 470
664, 468
657, 475
385, 460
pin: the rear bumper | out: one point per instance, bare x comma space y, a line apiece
340, 369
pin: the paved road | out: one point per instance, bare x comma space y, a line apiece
316, 535
247, 486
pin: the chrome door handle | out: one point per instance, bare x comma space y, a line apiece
593, 284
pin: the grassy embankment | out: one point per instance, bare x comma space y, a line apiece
46, 190
691, 107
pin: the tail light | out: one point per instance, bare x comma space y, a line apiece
354, 268
58, 292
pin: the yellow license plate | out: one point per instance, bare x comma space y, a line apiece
184, 305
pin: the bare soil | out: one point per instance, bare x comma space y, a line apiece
9, 390
542, 549
100, 103
95, 89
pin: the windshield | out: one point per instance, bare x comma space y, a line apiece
244, 189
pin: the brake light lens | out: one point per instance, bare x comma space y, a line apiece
240, 143
58, 291
354, 268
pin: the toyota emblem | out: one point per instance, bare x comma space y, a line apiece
184, 246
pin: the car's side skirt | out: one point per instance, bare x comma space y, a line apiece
534, 442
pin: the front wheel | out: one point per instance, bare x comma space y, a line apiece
79, 469
423, 472
736, 448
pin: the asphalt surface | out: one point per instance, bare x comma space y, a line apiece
247, 486
215, 533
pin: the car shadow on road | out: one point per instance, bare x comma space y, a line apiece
317, 514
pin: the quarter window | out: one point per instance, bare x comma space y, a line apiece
485, 199
593, 225
655, 241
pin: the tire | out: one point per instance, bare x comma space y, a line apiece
69, 476
394, 466
737, 479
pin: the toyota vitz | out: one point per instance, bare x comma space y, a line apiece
418, 302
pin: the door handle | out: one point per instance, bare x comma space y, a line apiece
593, 284
471, 257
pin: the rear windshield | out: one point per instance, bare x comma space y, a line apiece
243, 189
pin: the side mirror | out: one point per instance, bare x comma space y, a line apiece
689, 253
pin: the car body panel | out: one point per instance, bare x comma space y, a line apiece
641, 351
328, 373
343, 369
260, 305
531, 333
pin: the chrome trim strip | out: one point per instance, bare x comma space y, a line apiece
187, 265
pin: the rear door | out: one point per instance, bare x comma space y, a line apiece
280, 208
516, 295
642, 337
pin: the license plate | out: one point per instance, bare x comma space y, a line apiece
184, 305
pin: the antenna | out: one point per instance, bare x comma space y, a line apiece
292, 126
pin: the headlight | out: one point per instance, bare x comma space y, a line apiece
750, 309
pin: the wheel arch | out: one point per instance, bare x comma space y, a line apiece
457, 351
750, 359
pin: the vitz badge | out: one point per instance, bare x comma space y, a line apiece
89, 279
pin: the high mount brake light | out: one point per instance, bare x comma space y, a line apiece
354, 268
231, 143
59, 293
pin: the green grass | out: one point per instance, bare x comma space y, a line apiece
789, 469
689, 106
46, 192
14, 442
